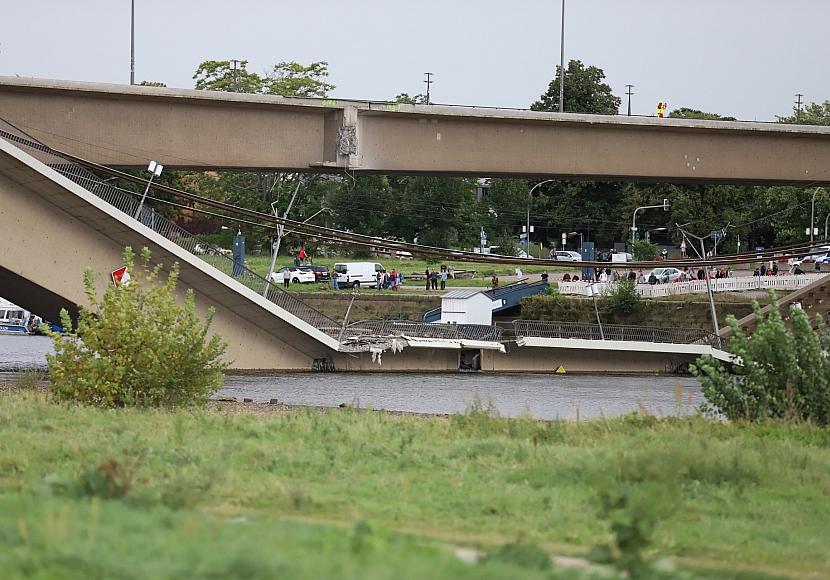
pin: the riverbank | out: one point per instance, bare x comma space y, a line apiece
224, 491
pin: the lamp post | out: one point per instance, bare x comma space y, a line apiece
132, 42
580, 239
665, 205
529, 201
825, 226
813, 216
562, 64
155, 170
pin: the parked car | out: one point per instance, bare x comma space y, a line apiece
296, 275
321, 273
665, 275
567, 256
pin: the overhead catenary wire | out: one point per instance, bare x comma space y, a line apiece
431, 251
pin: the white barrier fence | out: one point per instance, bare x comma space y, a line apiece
741, 284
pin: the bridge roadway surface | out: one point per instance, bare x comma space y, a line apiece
54, 228
125, 126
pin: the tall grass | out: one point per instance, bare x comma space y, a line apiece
728, 493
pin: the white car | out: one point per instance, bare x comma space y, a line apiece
296, 275
665, 275
567, 256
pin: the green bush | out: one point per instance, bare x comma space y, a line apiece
622, 300
781, 373
136, 346
643, 250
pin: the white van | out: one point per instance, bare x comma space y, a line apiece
356, 274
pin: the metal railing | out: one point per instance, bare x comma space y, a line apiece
586, 331
401, 328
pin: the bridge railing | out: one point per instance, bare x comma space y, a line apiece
393, 328
586, 331
126, 201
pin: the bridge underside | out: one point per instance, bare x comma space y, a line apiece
126, 126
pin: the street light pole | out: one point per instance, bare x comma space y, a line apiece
629, 93
825, 226
665, 205
155, 170
562, 64
132, 42
813, 215
529, 201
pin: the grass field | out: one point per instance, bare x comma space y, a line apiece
356, 494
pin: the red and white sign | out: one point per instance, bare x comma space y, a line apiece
120, 276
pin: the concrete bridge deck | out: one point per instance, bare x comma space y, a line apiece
125, 126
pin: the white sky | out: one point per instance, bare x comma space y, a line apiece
745, 58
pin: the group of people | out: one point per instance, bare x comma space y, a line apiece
300, 258
772, 270
389, 280
433, 277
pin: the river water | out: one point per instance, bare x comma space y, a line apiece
544, 396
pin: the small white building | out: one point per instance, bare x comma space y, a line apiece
466, 307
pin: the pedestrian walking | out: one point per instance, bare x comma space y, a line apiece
494, 282
426, 277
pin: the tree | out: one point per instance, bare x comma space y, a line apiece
292, 79
137, 346
687, 113
812, 114
218, 75
418, 99
781, 373
585, 92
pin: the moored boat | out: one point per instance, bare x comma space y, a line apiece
13, 318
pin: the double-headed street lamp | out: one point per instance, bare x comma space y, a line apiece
155, 170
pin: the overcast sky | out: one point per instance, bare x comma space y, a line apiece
745, 58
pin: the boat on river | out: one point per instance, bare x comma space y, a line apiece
13, 318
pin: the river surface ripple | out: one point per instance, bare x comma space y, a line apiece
544, 396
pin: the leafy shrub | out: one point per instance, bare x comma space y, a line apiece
780, 373
137, 345
643, 250
622, 300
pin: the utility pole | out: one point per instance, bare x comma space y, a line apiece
428, 82
629, 93
706, 269
234, 65
132, 42
798, 107
562, 64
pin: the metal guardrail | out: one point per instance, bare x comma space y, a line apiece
395, 328
586, 331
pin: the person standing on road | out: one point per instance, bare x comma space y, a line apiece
434, 279
443, 279
519, 274
286, 277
